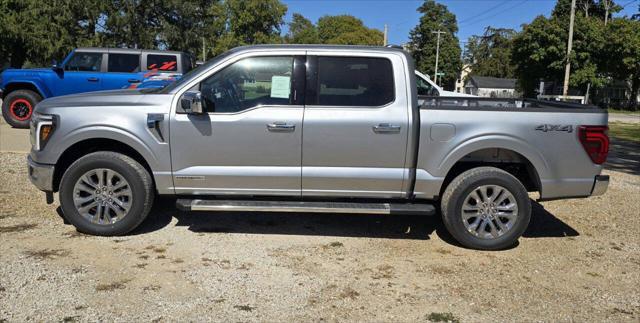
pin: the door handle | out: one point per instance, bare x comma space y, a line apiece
386, 128
92, 79
133, 81
280, 127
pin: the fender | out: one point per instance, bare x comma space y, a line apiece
35, 82
500, 141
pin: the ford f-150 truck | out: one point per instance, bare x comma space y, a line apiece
83, 70
304, 128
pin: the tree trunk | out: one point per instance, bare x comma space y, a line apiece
635, 86
18, 55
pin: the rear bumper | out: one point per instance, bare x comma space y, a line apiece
600, 185
40, 175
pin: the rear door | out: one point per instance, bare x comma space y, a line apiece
122, 71
355, 126
249, 141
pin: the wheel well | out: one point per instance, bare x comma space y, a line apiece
508, 160
88, 146
20, 86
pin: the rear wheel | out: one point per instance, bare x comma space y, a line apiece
486, 208
18, 106
106, 193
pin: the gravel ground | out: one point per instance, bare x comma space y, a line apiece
579, 261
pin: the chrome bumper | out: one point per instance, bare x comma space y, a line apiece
600, 185
40, 175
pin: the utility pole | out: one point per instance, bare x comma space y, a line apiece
438, 54
386, 37
607, 6
567, 68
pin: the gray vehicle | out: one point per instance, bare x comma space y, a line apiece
333, 129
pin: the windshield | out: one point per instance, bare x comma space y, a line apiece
186, 78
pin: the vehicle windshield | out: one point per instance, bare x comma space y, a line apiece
187, 77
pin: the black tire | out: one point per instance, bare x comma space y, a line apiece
135, 174
464, 184
18, 106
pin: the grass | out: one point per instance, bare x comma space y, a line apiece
626, 131
634, 112
442, 317
47, 253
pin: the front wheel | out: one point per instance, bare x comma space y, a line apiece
106, 194
486, 208
18, 106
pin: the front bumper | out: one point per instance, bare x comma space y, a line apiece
41, 175
600, 185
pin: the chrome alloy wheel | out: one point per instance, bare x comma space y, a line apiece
489, 211
102, 196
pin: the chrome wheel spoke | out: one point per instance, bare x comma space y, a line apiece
102, 196
494, 208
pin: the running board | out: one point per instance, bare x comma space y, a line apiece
311, 207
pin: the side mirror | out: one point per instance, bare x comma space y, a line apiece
55, 66
191, 102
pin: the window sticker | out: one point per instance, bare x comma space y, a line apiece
280, 87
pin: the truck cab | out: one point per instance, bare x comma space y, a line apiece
83, 70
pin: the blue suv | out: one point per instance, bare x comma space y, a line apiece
83, 70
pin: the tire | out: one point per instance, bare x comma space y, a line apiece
462, 207
18, 106
133, 200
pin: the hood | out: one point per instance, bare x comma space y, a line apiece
27, 71
129, 98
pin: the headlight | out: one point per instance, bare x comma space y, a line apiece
44, 126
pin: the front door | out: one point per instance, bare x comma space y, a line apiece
355, 127
83, 72
249, 141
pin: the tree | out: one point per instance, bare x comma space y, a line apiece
302, 31
347, 30
490, 54
423, 42
623, 53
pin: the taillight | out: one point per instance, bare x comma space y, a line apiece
595, 141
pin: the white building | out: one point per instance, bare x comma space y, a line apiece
491, 87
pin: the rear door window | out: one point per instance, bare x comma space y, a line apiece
84, 62
168, 63
354, 81
124, 63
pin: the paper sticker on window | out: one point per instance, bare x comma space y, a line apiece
280, 87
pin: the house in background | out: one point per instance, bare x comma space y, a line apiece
491, 87
466, 70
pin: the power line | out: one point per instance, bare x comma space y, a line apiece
495, 14
482, 13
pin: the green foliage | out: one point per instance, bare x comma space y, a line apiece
490, 54
302, 31
423, 42
347, 30
622, 50
341, 30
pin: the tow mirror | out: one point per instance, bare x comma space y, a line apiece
191, 102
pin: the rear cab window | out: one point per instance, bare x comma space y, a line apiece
124, 63
353, 82
162, 63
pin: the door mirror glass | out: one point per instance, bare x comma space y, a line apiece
191, 102
55, 66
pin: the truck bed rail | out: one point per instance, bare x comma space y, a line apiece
504, 104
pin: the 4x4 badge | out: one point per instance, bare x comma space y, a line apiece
555, 127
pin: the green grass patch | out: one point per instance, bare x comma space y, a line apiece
442, 317
625, 131
634, 112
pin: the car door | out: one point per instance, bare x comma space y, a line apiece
249, 140
82, 72
355, 126
123, 70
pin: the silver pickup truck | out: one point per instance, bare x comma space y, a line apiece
333, 129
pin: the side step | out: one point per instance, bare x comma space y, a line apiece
311, 207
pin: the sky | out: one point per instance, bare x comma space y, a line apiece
401, 15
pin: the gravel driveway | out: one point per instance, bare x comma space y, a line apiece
579, 260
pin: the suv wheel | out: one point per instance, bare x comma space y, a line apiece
106, 194
18, 106
486, 208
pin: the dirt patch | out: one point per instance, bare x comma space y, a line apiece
18, 228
